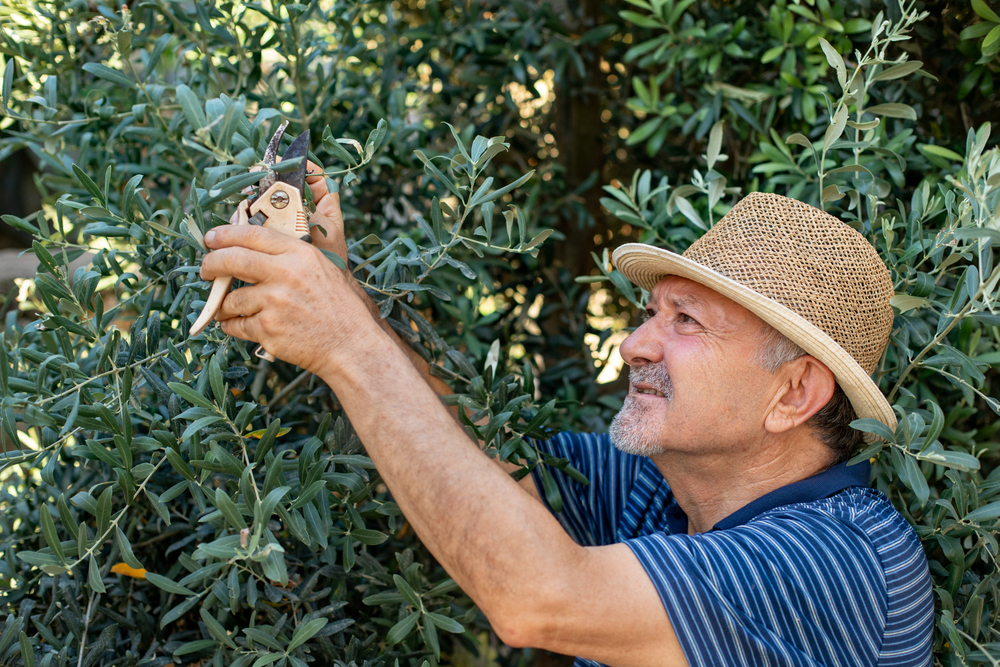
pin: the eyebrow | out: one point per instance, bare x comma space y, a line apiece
683, 301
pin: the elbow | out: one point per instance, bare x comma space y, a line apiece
518, 631
528, 619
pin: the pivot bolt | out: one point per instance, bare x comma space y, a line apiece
279, 199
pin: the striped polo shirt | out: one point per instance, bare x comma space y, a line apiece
820, 572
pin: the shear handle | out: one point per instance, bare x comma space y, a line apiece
222, 284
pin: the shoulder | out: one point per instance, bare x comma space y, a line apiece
858, 542
861, 517
846, 571
857, 527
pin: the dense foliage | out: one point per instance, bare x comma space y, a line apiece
930, 210
171, 499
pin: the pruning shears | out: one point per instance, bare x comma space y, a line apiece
278, 205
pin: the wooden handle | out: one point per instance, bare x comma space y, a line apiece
221, 285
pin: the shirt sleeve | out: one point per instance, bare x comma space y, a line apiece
590, 512
795, 588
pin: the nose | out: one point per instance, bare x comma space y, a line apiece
642, 346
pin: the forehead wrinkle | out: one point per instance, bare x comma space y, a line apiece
682, 293
685, 300
668, 293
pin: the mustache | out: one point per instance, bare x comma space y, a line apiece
655, 375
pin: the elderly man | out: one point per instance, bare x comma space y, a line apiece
723, 526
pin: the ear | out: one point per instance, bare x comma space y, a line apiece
807, 386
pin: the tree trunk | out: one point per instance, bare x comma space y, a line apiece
579, 134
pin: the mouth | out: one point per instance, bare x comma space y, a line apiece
646, 389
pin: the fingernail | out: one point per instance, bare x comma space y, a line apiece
210, 237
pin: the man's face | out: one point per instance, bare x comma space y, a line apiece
692, 385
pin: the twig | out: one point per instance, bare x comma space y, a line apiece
287, 389
258, 381
86, 626
986, 287
113, 371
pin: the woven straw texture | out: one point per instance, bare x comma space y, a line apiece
811, 263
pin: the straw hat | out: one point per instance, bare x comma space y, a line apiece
804, 272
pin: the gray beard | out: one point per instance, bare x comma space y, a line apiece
630, 430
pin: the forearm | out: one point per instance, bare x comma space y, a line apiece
503, 547
439, 386
472, 516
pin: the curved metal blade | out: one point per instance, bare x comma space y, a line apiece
270, 157
298, 148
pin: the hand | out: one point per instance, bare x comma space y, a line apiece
328, 214
300, 307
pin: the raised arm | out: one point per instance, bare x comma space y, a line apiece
328, 234
503, 547
330, 217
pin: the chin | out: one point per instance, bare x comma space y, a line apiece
634, 431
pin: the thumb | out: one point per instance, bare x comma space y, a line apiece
330, 218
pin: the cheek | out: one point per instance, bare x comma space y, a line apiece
710, 384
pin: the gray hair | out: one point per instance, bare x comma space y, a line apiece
832, 424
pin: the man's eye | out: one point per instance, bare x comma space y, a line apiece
648, 313
684, 318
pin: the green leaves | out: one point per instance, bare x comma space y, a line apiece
49, 531
986, 513
984, 11
94, 577
190, 395
215, 628
231, 186
893, 110
229, 509
898, 71
191, 106
305, 632
400, 630
112, 75
496, 194
125, 548
167, 585
836, 62
336, 149
178, 611
8, 82
90, 185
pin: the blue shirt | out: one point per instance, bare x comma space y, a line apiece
820, 572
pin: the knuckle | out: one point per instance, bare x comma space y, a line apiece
233, 302
252, 231
224, 259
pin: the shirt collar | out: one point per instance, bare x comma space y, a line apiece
827, 483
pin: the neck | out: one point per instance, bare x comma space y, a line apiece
711, 486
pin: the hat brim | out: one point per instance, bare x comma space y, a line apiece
645, 265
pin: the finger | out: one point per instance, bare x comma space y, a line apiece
253, 237
317, 182
246, 301
245, 328
247, 265
330, 218
314, 172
